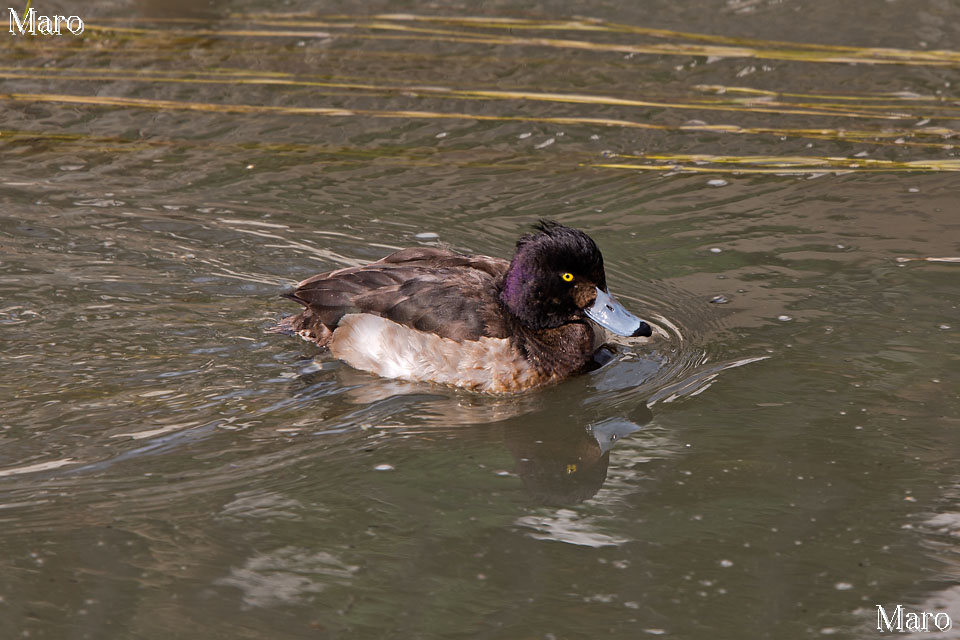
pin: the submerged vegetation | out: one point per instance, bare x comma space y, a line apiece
145, 58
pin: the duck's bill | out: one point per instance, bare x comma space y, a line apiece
611, 315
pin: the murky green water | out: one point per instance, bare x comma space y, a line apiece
779, 462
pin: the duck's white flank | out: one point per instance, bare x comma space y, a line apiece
391, 350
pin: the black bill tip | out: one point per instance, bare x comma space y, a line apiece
643, 331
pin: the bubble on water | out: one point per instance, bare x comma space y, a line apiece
843, 586
726, 564
715, 249
717, 183
944, 326
784, 318
546, 143
605, 598
719, 300
427, 235
524, 136
383, 467
913, 190
442, 134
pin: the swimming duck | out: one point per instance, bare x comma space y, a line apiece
470, 321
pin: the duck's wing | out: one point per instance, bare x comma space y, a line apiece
431, 290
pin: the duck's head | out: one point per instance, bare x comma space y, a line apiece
556, 277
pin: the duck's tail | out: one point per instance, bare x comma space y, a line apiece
306, 325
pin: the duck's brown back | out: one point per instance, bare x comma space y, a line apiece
432, 290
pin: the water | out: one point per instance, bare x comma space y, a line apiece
780, 460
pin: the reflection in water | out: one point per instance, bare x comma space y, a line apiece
564, 463
285, 576
566, 525
941, 531
562, 460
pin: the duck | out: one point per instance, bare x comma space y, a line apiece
481, 323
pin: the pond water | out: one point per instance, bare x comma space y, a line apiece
773, 185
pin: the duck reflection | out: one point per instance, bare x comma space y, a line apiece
566, 463
560, 439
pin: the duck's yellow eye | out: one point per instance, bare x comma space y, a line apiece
567, 276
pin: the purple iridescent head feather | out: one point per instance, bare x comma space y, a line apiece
532, 288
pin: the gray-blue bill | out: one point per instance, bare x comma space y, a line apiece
611, 315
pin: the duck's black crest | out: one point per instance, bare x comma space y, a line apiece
554, 230
532, 288
555, 246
